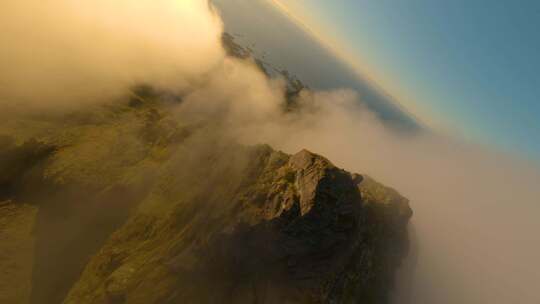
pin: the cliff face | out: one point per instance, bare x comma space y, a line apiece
135, 207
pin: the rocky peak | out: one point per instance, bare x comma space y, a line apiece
294, 230
312, 173
305, 159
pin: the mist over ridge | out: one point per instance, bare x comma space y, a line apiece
475, 210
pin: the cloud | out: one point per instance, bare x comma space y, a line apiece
67, 53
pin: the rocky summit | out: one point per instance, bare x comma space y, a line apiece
293, 230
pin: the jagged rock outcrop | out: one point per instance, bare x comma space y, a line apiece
288, 230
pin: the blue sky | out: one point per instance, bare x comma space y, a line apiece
469, 67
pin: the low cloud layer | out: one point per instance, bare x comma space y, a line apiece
476, 210
67, 53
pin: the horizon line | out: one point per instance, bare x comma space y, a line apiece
349, 61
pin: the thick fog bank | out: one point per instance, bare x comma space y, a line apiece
64, 53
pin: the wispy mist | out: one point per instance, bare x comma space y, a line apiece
476, 210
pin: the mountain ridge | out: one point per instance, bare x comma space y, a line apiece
133, 202
291, 212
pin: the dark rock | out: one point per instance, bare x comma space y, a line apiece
20, 165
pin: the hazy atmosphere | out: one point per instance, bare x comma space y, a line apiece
145, 100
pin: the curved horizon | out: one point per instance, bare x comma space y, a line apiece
467, 92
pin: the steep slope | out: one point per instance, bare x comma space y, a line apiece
283, 230
16, 254
83, 173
